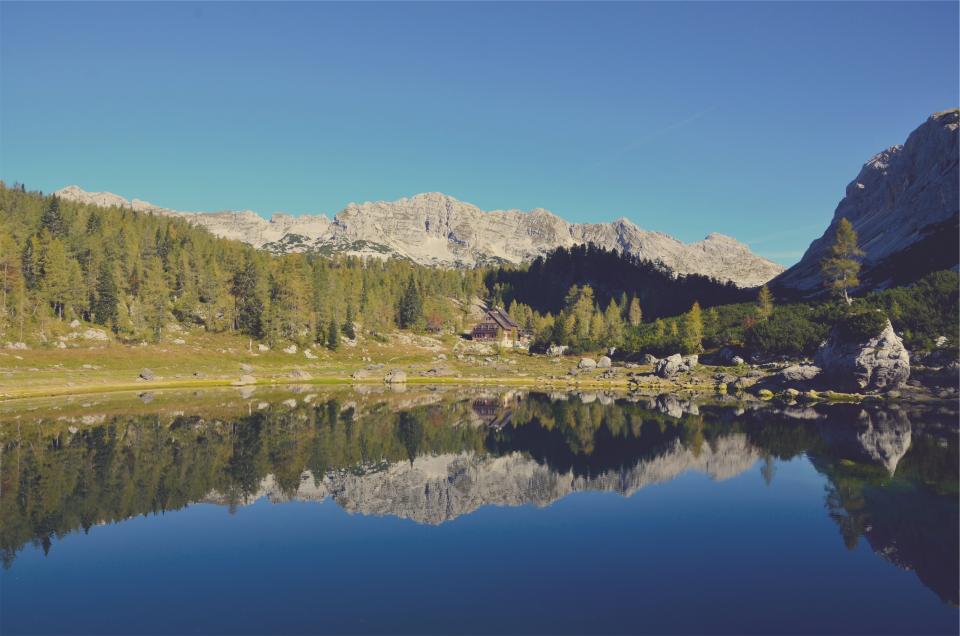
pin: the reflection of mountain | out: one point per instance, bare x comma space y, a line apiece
434, 489
891, 475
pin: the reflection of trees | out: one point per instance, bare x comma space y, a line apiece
53, 481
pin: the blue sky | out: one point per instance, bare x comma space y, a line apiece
742, 118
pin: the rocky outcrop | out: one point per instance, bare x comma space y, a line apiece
674, 365
436, 229
880, 363
904, 208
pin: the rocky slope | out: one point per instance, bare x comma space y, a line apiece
904, 208
436, 229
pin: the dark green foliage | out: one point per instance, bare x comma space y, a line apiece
786, 333
333, 336
348, 329
544, 284
104, 306
860, 325
52, 219
410, 308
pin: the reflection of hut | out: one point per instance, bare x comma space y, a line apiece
495, 411
497, 325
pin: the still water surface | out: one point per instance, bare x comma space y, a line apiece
444, 511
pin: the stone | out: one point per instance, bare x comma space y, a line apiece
557, 350
246, 368
146, 374
360, 374
95, 334
648, 358
179, 341
587, 363
74, 323
691, 361
737, 361
300, 374
262, 348
17, 345
881, 363
291, 349
604, 362
671, 366
245, 379
765, 394
792, 393
395, 376
310, 355
799, 373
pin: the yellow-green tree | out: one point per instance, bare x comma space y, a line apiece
840, 267
764, 303
635, 314
693, 330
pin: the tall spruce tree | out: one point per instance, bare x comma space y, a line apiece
410, 308
107, 298
52, 219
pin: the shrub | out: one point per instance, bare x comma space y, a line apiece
786, 334
860, 326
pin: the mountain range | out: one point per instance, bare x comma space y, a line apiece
438, 230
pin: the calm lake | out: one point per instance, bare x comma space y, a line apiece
451, 511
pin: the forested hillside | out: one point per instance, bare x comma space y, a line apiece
136, 273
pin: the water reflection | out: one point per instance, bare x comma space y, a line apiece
432, 456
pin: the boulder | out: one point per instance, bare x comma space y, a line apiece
737, 361
880, 363
395, 376
309, 354
587, 363
300, 374
604, 362
557, 350
799, 373
262, 348
246, 368
74, 323
360, 374
691, 361
291, 349
671, 366
147, 374
648, 358
245, 379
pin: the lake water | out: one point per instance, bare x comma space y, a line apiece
474, 512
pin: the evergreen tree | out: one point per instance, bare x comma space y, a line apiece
410, 309
155, 297
250, 297
333, 336
52, 219
840, 267
348, 328
55, 282
105, 304
635, 313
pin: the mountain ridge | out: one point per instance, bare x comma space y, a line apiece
433, 228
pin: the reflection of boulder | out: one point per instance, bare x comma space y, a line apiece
670, 404
876, 437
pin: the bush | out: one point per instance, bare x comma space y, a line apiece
860, 326
785, 334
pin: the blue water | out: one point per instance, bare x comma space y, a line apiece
691, 555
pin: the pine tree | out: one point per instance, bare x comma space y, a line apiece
333, 336
348, 328
249, 294
105, 303
693, 330
840, 267
635, 313
155, 296
55, 282
52, 219
764, 303
410, 309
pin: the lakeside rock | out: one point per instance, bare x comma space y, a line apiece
604, 362
587, 363
674, 365
881, 363
147, 374
395, 376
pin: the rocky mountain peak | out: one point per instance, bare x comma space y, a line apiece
432, 228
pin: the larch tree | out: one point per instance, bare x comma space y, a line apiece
764, 303
693, 329
635, 313
840, 268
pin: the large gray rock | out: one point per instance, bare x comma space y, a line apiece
671, 366
904, 198
799, 373
396, 376
587, 363
604, 362
881, 363
147, 374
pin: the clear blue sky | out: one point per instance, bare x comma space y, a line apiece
747, 119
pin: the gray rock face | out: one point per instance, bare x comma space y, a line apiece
881, 363
672, 366
587, 363
799, 373
436, 229
396, 376
648, 358
902, 197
